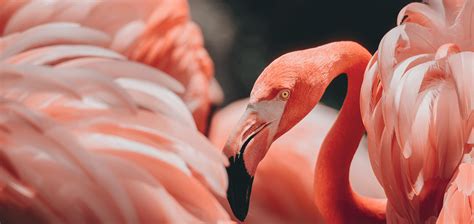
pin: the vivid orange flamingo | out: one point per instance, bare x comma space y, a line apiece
89, 136
282, 191
417, 103
159, 33
285, 92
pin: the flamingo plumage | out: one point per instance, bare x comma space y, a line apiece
417, 105
47, 168
86, 128
159, 33
78, 103
282, 191
285, 92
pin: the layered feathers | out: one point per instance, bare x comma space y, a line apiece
159, 33
81, 121
417, 104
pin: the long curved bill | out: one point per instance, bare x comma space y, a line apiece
245, 148
240, 187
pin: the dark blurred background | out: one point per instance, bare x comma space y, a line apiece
243, 36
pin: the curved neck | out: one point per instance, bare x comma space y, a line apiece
333, 193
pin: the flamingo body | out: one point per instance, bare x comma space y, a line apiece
417, 105
159, 33
84, 127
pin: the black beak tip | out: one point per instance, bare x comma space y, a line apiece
240, 214
240, 187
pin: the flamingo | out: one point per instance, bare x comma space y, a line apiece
159, 33
50, 174
89, 135
285, 92
291, 158
417, 103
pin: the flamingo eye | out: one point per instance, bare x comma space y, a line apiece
285, 94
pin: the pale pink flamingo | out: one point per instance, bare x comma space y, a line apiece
90, 136
159, 33
282, 191
417, 103
50, 174
285, 92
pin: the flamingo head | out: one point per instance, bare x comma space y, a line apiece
282, 96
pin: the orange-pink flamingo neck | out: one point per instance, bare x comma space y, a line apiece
286, 91
333, 195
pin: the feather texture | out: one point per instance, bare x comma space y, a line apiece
178, 50
420, 120
83, 127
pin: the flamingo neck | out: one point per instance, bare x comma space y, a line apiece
333, 193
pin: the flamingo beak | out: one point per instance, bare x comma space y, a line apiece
245, 148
